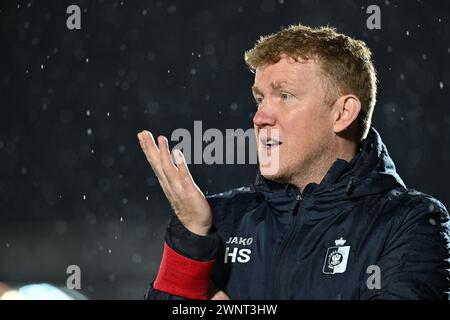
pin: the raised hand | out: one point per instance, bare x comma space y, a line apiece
185, 197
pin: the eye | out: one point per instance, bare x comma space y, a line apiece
258, 101
284, 96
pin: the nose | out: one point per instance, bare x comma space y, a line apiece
265, 116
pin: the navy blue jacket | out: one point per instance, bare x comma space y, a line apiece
359, 234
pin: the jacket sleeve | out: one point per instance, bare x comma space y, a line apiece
415, 262
191, 255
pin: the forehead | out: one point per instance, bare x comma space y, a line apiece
288, 71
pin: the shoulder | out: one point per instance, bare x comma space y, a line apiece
233, 204
245, 191
411, 203
415, 252
399, 206
239, 198
417, 215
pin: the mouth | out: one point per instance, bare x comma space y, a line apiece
269, 143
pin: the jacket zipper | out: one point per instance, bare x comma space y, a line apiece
284, 248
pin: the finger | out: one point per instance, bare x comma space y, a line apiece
151, 152
169, 168
142, 136
150, 148
180, 161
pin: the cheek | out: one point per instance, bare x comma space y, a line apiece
298, 138
305, 132
301, 127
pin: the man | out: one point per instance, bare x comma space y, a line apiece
333, 221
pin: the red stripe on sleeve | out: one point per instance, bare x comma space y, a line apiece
182, 276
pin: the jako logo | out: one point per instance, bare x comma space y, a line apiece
241, 255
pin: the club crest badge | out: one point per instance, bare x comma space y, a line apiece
336, 258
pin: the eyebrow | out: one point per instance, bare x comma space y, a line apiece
274, 84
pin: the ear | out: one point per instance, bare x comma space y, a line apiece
346, 110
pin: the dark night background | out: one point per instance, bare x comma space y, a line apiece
75, 187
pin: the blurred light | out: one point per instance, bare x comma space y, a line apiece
42, 291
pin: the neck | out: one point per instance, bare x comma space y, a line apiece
315, 172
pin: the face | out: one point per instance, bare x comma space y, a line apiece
293, 123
